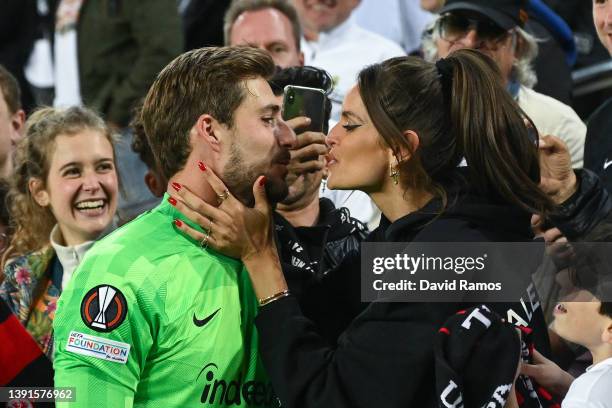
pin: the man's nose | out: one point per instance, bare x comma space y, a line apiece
470, 39
331, 140
285, 135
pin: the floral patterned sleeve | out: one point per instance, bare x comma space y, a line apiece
9, 291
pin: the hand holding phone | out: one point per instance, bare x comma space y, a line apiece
309, 102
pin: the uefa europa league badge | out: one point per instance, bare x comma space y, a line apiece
103, 308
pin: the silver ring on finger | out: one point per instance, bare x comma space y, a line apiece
204, 242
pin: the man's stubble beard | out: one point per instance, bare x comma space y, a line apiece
239, 179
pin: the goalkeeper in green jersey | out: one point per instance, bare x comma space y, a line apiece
153, 318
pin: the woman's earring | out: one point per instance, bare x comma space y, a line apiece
394, 174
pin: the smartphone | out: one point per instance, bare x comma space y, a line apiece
304, 101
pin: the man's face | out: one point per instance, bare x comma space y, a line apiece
602, 15
324, 15
501, 49
11, 128
259, 143
269, 30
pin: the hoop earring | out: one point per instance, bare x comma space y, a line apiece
394, 174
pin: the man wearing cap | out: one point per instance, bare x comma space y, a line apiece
495, 27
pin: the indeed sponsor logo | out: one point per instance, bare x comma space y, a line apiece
234, 392
98, 347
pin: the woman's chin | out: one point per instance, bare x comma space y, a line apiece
338, 186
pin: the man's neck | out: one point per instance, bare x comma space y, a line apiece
302, 216
194, 179
6, 169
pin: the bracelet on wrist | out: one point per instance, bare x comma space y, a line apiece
276, 296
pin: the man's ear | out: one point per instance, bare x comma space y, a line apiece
301, 58
208, 129
520, 47
18, 124
154, 183
38, 192
606, 336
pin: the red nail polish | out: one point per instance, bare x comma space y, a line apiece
178, 223
172, 200
202, 166
176, 186
262, 181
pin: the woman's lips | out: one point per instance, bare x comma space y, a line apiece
92, 207
330, 160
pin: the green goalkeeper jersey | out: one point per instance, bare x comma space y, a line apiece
152, 320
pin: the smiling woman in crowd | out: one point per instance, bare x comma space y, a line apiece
444, 152
62, 197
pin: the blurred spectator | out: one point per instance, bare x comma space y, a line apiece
333, 41
17, 33
62, 198
578, 15
203, 22
602, 16
271, 25
39, 69
134, 42
553, 72
12, 119
495, 28
107, 53
401, 21
598, 148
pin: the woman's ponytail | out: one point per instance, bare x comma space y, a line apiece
491, 130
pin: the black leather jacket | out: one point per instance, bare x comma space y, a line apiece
310, 258
587, 215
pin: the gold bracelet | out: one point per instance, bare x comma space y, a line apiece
270, 299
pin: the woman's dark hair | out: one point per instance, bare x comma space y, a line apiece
471, 116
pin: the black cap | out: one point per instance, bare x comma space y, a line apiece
505, 13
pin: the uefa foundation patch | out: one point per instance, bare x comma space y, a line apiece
98, 347
103, 308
